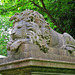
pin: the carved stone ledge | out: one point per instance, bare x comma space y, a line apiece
33, 51
29, 60
32, 66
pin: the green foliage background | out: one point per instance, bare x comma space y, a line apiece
61, 11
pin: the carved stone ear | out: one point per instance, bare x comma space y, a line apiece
12, 18
16, 13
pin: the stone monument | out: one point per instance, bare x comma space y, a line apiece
36, 49
30, 27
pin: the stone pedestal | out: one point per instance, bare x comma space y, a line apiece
29, 60
37, 67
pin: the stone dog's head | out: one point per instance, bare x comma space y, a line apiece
19, 30
31, 25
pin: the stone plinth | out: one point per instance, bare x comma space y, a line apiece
33, 51
30, 60
37, 67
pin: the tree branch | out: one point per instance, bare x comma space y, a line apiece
53, 20
18, 5
43, 4
48, 12
50, 16
43, 8
37, 5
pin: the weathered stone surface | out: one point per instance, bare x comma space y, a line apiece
33, 51
30, 60
36, 49
30, 27
37, 67
1, 56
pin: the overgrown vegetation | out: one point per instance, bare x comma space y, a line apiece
58, 13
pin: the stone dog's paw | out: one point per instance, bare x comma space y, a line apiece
68, 47
63, 47
9, 44
15, 45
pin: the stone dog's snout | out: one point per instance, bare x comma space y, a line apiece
13, 33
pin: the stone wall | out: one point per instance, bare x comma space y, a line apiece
29, 60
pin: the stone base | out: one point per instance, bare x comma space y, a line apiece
37, 67
33, 51
30, 60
